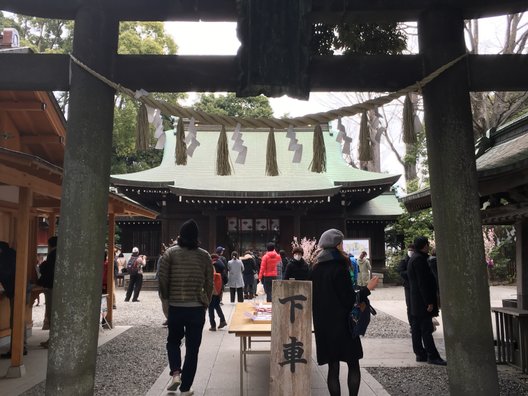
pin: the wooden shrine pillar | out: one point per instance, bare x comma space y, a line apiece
84, 206
25, 200
212, 231
460, 248
297, 225
52, 220
110, 281
521, 236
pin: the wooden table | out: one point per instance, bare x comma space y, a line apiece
245, 328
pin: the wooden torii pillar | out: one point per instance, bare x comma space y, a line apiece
110, 268
84, 205
461, 266
17, 368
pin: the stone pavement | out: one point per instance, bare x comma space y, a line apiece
218, 368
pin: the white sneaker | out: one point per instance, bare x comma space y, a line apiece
190, 392
175, 382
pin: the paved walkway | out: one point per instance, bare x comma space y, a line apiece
218, 371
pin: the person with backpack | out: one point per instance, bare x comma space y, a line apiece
134, 269
214, 305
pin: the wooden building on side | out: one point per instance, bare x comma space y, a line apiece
32, 146
248, 209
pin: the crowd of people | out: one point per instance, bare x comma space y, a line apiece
192, 282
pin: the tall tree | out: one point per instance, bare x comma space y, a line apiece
56, 36
492, 109
250, 107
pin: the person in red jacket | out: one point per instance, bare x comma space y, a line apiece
268, 269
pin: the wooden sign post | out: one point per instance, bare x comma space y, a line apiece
291, 338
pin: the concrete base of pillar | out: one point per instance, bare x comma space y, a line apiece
16, 372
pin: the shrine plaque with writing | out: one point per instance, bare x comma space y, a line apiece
291, 338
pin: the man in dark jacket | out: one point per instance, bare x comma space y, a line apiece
7, 279
402, 270
424, 305
47, 273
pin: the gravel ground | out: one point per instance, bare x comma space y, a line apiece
136, 358
432, 380
130, 363
386, 326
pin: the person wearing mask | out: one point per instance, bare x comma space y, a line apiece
402, 270
334, 296
186, 283
424, 305
297, 268
268, 269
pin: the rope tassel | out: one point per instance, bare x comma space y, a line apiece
142, 129
409, 132
181, 147
318, 163
272, 169
223, 165
365, 149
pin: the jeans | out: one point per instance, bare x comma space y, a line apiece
134, 284
215, 306
422, 331
267, 282
185, 322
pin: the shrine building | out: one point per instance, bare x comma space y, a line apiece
248, 209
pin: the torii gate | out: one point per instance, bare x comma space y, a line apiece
72, 356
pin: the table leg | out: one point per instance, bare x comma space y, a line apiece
242, 354
246, 348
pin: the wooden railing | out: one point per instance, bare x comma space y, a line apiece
511, 325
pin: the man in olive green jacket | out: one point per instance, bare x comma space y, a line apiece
186, 283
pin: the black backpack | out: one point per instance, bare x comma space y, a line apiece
132, 265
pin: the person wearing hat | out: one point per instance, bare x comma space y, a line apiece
134, 265
333, 299
186, 283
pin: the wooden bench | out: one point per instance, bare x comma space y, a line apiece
511, 326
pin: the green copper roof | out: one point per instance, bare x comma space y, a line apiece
199, 177
384, 205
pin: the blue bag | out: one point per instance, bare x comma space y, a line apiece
359, 316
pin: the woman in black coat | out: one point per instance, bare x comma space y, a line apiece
333, 299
